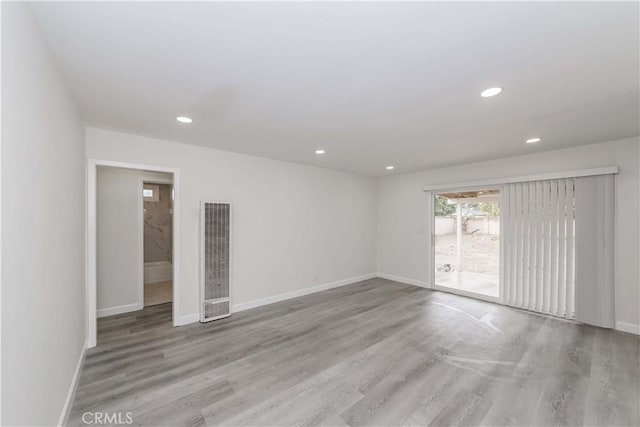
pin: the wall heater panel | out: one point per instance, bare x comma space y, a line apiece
215, 260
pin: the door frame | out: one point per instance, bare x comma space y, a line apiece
91, 240
432, 243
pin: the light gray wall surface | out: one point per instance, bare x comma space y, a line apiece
119, 258
294, 226
402, 248
43, 227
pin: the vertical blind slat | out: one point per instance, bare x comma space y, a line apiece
519, 243
532, 245
553, 247
570, 312
546, 252
525, 245
510, 252
539, 263
514, 259
505, 253
547, 247
562, 247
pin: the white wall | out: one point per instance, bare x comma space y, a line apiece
43, 184
403, 216
294, 226
119, 258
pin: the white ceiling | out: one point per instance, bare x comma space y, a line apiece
372, 83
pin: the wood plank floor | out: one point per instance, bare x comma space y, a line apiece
372, 353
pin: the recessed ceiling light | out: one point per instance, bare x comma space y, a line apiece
184, 119
492, 91
390, 168
533, 140
320, 151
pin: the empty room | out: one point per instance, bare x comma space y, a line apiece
320, 213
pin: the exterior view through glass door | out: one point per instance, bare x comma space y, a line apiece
467, 242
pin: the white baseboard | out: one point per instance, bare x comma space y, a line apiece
299, 292
628, 327
189, 318
71, 393
195, 317
111, 311
404, 280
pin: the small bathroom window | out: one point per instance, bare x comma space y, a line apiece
150, 193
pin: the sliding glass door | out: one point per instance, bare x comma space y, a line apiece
466, 233
527, 244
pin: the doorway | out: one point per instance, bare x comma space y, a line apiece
157, 243
466, 225
93, 273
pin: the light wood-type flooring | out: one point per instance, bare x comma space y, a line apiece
373, 353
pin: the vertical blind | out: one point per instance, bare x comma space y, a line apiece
595, 250
538, 269
558, 248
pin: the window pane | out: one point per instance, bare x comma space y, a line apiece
467, 240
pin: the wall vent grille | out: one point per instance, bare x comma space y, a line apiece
215, 260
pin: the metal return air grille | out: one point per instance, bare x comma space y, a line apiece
216, 310
216, 254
